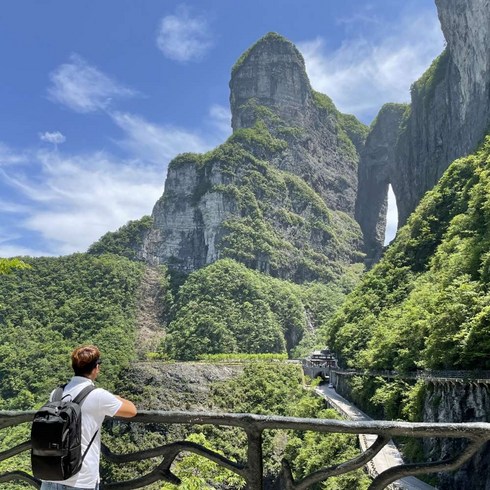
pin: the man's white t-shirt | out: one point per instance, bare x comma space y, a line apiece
98, 404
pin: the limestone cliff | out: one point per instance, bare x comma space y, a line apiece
279, 195
376, 172
448, 118
458, 402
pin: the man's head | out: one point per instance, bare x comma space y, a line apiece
85, 359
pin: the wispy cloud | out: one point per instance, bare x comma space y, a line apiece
76, 199
157, 143
364, 73
83, 88
10, 157
7, 206
220, 118
183, 37
56, 138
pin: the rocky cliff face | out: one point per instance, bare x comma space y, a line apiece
458, 402
449, 115
376, 172
272, 75
279, 195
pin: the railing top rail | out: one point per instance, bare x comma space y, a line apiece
248, 422
421, 374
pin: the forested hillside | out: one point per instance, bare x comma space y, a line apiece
54, 305
426, 304
226, 308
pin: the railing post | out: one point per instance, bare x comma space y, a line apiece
255, 468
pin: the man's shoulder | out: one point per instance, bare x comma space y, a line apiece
103, 393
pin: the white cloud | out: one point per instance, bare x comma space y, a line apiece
7, 250
10, 157
12, 207
220, 118
83, 88
156, 143
55, 137
76, 199
363, 74
69, 201
183, 38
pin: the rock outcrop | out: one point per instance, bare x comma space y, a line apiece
279, 195
272, 74
376, 172
448, 118
458, 402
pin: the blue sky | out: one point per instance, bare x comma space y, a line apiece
97, 97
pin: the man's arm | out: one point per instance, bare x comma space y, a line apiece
127, 409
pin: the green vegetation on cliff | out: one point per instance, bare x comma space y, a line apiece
351, 132
427, 303
280, 224
423, 89
269, 37
228, 308
126, 242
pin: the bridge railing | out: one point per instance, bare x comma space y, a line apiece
427, 374
251, 470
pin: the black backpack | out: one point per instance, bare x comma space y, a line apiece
56, 437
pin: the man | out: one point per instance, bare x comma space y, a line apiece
98, 404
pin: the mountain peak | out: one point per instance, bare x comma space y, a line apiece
270, 73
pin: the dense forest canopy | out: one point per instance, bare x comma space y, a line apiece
426, 303
54, 305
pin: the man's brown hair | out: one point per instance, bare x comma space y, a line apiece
84, 359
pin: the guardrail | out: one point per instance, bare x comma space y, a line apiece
251, 470
428, 375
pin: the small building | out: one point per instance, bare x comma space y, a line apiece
323, 358
319, 364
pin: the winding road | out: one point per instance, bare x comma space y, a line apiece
389, 456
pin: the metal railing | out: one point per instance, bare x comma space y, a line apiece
427, 375
251, 470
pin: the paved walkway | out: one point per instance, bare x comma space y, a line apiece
389, 456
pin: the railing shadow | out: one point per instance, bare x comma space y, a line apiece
251, 470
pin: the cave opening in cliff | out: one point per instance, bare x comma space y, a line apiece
391, 217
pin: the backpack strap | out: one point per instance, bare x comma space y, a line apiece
88, 447
58, 394
80, 398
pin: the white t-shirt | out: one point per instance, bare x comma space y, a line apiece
98, 404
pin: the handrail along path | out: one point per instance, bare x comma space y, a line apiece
252, 469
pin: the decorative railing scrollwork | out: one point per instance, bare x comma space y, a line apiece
251, 470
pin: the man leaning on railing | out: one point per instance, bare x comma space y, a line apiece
98, 404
